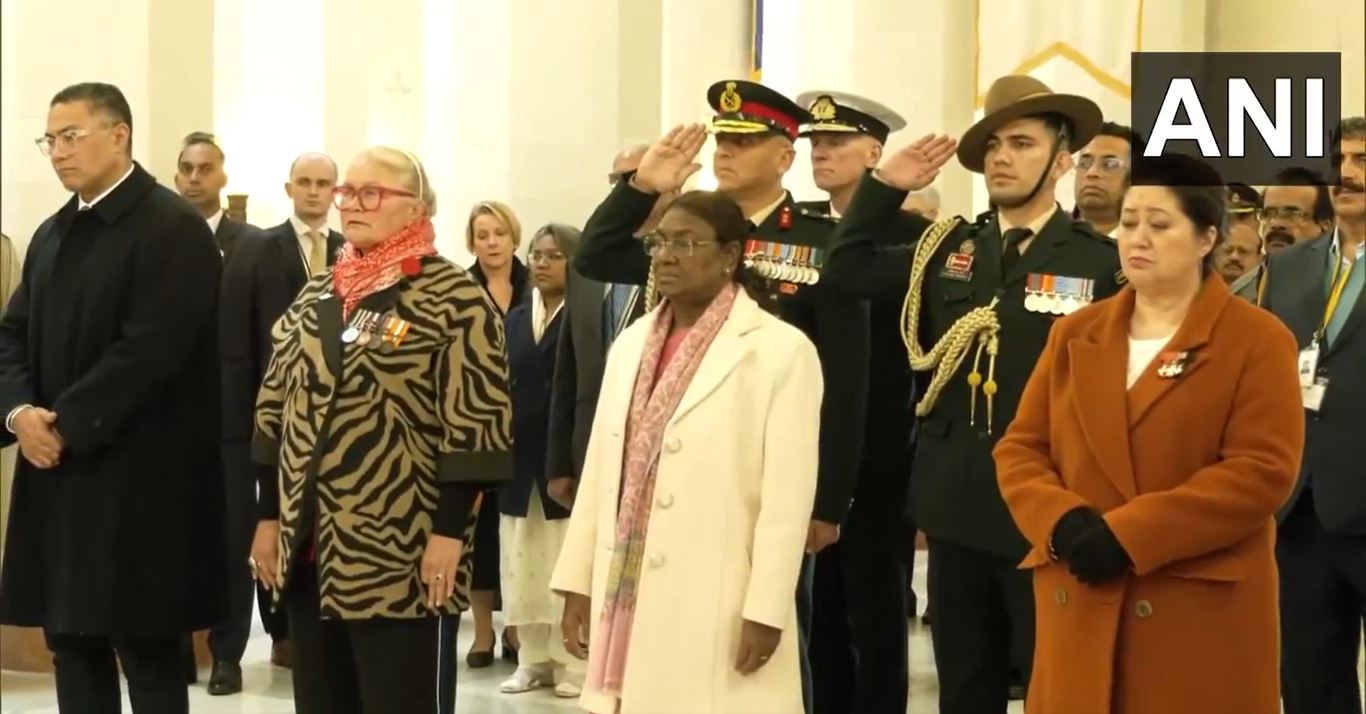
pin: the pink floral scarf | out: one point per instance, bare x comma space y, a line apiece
652, 405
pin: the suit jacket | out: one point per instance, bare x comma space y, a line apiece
112, 328
229, 232
733, 506
579, 361
262, 276
1188, 472
835, 321
889, 435
1245, 287
1332, 463
378, 437
521, 283
531, 368
954, 494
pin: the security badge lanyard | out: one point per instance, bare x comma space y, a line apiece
1312, 386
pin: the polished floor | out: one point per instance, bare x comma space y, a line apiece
267, 689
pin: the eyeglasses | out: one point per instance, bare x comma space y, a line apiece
369, 197
66, 141
1291, 214
1108, 164
549, 256
677, 247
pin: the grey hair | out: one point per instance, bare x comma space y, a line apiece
409, 169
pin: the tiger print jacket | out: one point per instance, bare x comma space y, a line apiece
360, 440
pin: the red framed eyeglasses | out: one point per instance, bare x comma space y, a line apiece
368, 197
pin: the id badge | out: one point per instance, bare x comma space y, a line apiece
1312, 395
1309, 364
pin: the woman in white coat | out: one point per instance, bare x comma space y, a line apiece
692, 515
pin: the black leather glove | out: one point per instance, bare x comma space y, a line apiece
1069, 530
1098, 556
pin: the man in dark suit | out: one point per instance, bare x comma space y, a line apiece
1316, 288
982, 281
200, 178
756, 128
264, 273
858, 633
595, 312
109, 383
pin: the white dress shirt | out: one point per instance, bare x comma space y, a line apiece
214, 220
82, 205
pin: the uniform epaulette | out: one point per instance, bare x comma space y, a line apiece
1083, 228
819, 210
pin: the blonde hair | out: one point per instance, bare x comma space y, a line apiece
502, 213
409, 170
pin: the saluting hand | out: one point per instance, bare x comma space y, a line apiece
669, 162
916, 166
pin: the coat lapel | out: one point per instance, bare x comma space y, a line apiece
1313, 300
1354, 321
722, 355
330, 328
290, 255
1193, 334
1097, 366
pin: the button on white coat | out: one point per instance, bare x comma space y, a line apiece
665, 501
657, 560
673, 445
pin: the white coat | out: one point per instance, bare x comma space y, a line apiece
732, 503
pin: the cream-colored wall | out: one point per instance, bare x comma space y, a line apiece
1298, 26
524, 100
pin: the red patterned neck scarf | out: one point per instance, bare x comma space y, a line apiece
358, 275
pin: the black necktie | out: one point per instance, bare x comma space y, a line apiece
1011, 255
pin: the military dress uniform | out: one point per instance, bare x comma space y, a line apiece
969, 283
787, 250
859, 634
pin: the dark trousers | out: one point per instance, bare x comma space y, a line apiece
372, 666
858, 634
228, 640
87, 672
1323, 601
983, 627
805, 586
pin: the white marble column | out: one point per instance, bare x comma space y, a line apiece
915, 57
270, 70
106, 42
703, 41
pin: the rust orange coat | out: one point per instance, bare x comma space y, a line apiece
1188, 472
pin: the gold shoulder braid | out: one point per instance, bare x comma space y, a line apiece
980, 325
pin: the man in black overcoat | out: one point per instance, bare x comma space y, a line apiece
109, 384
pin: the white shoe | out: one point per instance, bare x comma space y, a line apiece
526, 679
568, 686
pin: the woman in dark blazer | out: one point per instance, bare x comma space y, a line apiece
493, 234
533, 525
1160, 432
